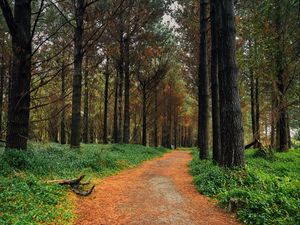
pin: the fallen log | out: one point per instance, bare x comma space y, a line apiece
67, 182
75, 185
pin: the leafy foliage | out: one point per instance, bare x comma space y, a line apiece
26, 199
267, 189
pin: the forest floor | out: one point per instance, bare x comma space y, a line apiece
158, 192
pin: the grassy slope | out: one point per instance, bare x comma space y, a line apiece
26, 199
268, 190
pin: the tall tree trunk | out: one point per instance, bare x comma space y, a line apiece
232, 133
144, 100
105, 103
121, 84
280, 72
203, 116
19, 24
86, 105
77, 76
63, 112
215, 81
126, 128
115, 127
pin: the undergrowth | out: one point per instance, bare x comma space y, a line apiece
267, 189
25, 198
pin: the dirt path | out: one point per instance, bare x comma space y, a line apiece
158, 192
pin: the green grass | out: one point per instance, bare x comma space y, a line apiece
267, 190
26, 199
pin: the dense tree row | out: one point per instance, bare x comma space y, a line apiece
90, 71
268, 81
117, 71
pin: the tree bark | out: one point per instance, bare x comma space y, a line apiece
203, 114
215, 81
77, 76
232, 133
19, 25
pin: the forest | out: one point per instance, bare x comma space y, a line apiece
110, 106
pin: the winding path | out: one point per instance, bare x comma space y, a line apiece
158, 192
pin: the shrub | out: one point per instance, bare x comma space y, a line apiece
26, 199
265, 192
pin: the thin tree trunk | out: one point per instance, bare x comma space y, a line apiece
144, 136
182, 136
289, 133
105, 104
115, 127
126, 128
77, 76
120, 92
215, 81
273, 120
52, 127
2, 74
175, 129
232, 133
257, 113
155, 119
91, 120
169, 124
203, 128
253, 101
63, 112
86, 105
